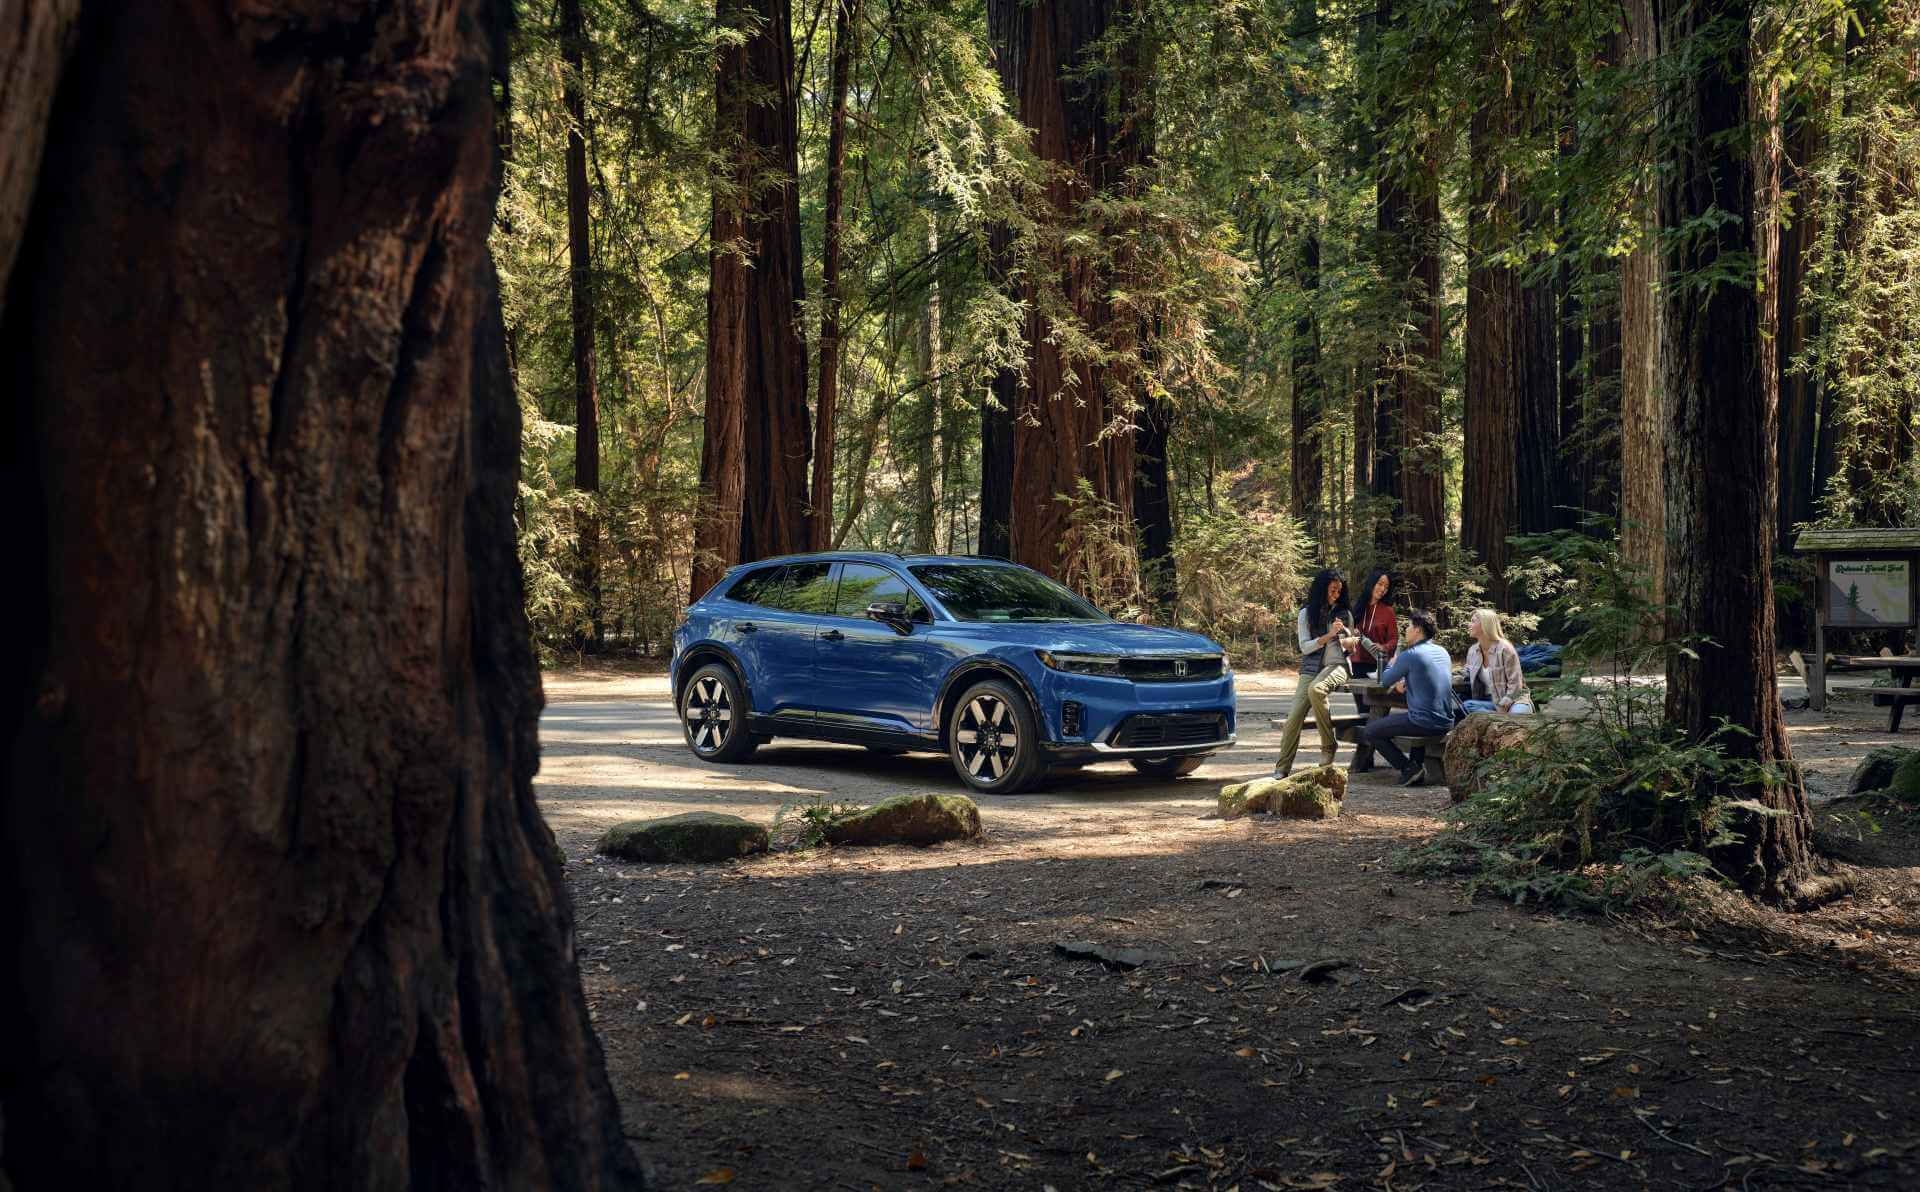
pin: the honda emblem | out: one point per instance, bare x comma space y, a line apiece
1179, 668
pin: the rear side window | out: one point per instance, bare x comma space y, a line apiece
794, 588
862, 584
752, 587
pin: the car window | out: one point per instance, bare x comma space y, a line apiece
752, 588
800, 588
985, 592
862, 584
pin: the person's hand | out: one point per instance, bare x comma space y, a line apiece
1400, 687
1339, 626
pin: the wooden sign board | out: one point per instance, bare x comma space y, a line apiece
1869, 579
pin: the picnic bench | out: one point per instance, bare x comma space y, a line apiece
1903, 668
1380, 702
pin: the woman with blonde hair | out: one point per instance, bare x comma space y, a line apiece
1493, 668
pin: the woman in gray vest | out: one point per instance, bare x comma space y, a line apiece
1323, 668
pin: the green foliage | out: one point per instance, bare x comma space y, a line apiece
815, 815
1242, 574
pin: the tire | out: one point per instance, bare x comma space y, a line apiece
713, 715
1008, 760
1166, 767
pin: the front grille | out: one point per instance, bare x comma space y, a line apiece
1171, 669
1157, 729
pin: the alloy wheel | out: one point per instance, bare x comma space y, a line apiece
989, 738
708, 715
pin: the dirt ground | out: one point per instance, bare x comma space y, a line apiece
901, 1018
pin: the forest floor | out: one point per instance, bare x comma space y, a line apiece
896, 1018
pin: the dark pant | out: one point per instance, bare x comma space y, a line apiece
1380, 734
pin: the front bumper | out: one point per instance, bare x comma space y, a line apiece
1120, 718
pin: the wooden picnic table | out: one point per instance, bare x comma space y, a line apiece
1903, 667
1380, 702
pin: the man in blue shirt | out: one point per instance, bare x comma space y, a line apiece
1425, 673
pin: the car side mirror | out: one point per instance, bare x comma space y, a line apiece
891, 612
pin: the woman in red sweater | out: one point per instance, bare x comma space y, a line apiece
1373, 617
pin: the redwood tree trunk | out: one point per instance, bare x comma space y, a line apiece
1422, 523
586, 397
1153, 503
846, 30
1721, 391
777, 432
281, 911
1063, 432
1488, 492
1309, 397
1642, 423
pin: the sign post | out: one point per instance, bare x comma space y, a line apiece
1868, 580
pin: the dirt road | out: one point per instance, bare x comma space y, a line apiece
901, 1018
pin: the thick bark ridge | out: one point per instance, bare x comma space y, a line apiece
282, 912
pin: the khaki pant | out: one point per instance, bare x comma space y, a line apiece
1312, 692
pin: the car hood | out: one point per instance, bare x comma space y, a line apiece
1104, 637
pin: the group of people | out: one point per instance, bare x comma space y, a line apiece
1342, 638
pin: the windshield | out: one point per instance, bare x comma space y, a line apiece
983, 592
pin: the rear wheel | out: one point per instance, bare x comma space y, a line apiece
992, 741
1166, 767
713, 713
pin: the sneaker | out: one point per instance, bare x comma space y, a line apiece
1413, 776
1282, 771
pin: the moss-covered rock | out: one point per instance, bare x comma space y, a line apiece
909, 819
694, 836
1876, 771
1314, 793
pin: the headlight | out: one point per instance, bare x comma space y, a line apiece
1082, 664
1226, 664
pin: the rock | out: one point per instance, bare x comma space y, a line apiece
909, 819
694, 836
1311, 794
1877, 771
1478, 738
1118, 958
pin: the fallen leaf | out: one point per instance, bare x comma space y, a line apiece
1114, 1075
683, 1076
1246, 1053
684, 1019
719, 1175
916, 1162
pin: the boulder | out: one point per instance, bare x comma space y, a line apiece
694, 836
1876, 771
1478, 738
1310, 794
909, 819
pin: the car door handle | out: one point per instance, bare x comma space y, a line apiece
746, 626
833, 635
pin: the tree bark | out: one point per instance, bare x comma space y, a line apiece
280, 910
1491, 419
1069, 424
721, 518
846, 26
1642, 423
586, 396
1422, 525
774, 499
33, 51
1005, 36
1799, 389
1537, 448
1721, 394
925, 408
1309, 396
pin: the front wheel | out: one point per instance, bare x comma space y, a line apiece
1166, 767
713, 713
992, 741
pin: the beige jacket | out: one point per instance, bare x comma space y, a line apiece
1504, 678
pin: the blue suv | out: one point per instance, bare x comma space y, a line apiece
991, 663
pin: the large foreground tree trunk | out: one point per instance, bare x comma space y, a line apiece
1491, 420
1721, 391
280, 910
